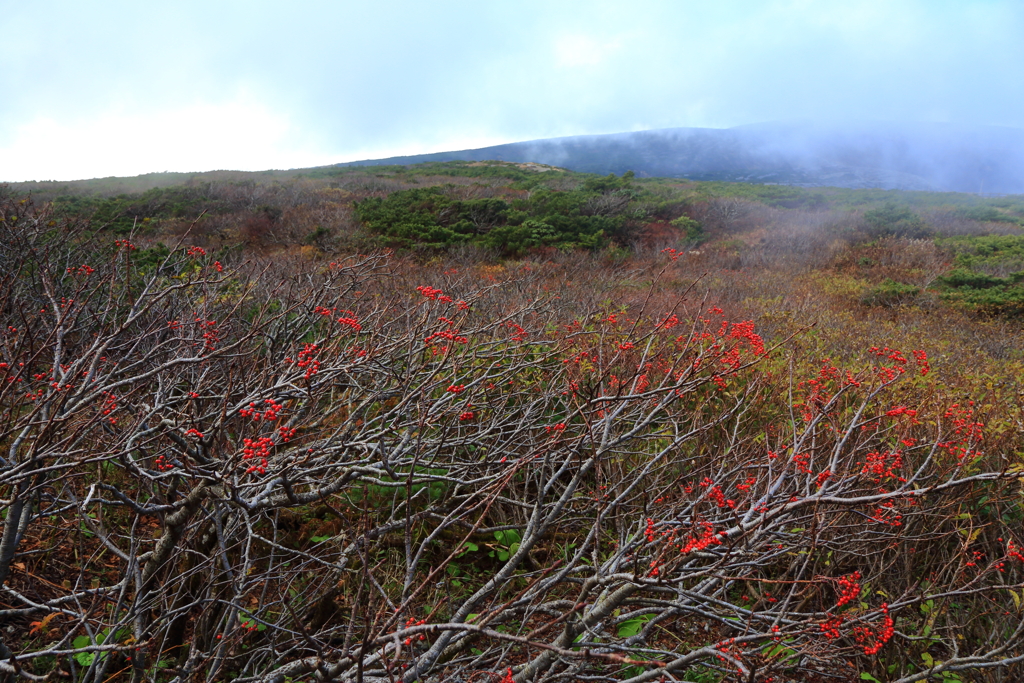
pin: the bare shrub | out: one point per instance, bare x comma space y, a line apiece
726, 215
951, 222
287, 469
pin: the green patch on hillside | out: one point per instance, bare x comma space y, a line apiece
989, 274
123, 213
587, 217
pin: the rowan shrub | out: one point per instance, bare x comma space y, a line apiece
569, 466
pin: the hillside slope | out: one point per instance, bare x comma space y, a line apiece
939, 157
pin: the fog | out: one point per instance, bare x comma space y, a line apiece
885, 155
123, 88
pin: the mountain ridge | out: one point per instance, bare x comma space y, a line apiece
905, 156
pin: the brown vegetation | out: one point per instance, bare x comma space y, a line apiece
287, 463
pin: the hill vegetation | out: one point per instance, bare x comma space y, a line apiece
480, 421
883, 155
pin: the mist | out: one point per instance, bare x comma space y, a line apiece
928, 157
122, 88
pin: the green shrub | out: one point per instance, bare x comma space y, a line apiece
426, 217
890, 293
1004, 300
148, 260
972, 286
961, 278
988, 214
895, 220
693, 229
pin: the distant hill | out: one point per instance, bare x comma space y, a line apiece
939, 157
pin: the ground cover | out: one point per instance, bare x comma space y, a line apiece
785, 446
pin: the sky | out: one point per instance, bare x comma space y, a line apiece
111, 87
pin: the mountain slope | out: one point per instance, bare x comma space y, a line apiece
941, 157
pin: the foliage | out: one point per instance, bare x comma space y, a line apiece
460, 169
691, 228
988, 214
890, 293
123, 214
430, 218
368, 468
894, 220
989, 274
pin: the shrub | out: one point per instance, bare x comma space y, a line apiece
890, 293
372, 469
1005, 299
895, 220
693, 229
426, 217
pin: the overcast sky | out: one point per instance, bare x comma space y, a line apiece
91, 89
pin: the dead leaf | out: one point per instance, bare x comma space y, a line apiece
41, 626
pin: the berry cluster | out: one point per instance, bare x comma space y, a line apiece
849, 588
269, 415
413, 622
258, 449
307, 361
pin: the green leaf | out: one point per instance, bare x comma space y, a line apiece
85, 658
927, 659
318, 539
508, 537
865, 676
249, 621
633, 626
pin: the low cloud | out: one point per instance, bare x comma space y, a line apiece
237, 135
327, 81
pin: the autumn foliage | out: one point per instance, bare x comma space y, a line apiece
566, 468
